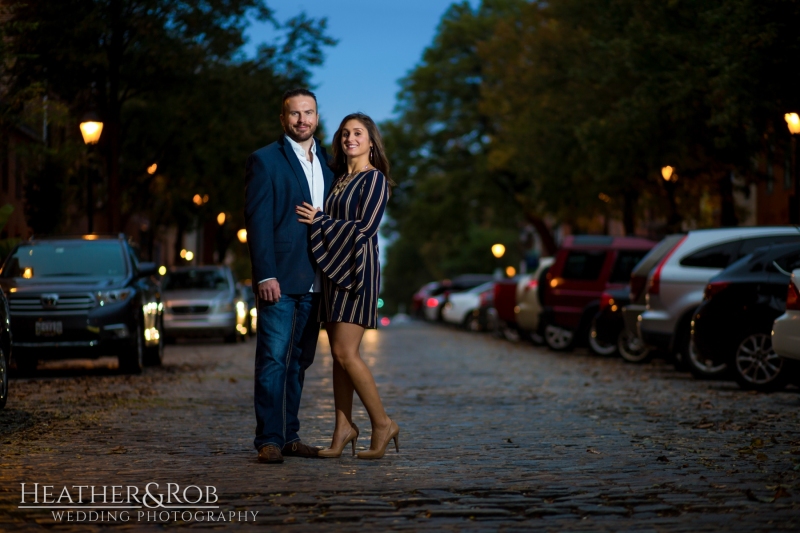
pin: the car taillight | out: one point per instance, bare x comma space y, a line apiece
714, 288
655, 281
532, 284
606, 300
792, 298
432, 302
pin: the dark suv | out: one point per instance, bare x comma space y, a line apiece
83, 297
585, 267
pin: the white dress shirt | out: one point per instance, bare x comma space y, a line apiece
316, 186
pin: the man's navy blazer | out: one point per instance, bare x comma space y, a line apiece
279, 245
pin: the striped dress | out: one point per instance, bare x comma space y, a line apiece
344, 241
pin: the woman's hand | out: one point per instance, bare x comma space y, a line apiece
307, 213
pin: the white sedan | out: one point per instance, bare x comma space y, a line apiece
786, 329
459, 308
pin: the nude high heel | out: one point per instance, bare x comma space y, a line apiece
394, 433
337, 452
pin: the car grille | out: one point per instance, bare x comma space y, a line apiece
65, 303
189, 309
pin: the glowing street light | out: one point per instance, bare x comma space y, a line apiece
162, 270
666, 173
498, 250
197, 199
152, 169
511, 271
793, 121
221, 219
183, 253
242, 235
91, 131
189, 255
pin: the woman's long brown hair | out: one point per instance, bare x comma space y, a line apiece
377, 156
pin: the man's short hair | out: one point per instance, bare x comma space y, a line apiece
291, 93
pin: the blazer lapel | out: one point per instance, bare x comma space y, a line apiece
290, 156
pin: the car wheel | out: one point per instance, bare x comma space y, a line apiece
597, 346
471, 323
631, 348
757, 366
3, 379
558, 339
154, 355
131, 360
702, 367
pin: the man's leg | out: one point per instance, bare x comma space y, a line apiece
273, 349
304, 345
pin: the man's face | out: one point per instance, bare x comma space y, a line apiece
299, 118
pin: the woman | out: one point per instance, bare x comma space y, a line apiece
344, 241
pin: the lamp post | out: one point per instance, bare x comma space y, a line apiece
793, 123
91, 129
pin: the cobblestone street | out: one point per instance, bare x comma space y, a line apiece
494, 436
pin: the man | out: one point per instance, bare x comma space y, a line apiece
279, 177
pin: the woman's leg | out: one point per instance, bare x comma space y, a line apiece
345, 340
343, 400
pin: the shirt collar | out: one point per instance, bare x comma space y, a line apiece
299, 149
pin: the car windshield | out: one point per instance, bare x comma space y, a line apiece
67, 259
196, 279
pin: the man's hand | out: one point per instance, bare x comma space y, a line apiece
269, 291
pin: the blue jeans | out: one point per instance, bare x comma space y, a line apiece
287, 339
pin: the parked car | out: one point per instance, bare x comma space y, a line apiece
675, 286
529, 301
420, 298
203, 302
505, 304
630, 345
83, 297
786, 329
584, 268
733, 325
5, 349
439, 296
461, 307
607, 331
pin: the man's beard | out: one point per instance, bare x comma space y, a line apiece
297, 137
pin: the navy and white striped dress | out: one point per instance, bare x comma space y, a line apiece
344, 241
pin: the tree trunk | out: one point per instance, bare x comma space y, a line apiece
546, 236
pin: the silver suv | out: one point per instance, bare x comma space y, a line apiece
675, 286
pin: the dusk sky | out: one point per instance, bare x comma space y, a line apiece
379, 42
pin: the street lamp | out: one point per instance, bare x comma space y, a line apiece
242, 235
498, 250
221, 219
91, 129
666, 173
152, 169
793, 123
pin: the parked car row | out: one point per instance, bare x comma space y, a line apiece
721, 303
90, 296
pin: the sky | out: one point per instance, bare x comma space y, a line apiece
380, 41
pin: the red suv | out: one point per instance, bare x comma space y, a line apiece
585, 267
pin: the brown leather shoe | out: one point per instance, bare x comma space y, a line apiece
269, 454
298, 449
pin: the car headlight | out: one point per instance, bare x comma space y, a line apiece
225, 307
113, 297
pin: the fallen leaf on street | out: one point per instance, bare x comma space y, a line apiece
592, 450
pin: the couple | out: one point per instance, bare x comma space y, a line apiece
313, 265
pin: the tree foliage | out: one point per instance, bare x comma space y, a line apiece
521, 112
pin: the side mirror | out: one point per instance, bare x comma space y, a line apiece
147, 269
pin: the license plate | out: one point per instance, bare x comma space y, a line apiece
49, 329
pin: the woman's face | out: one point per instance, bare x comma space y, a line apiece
355, 139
